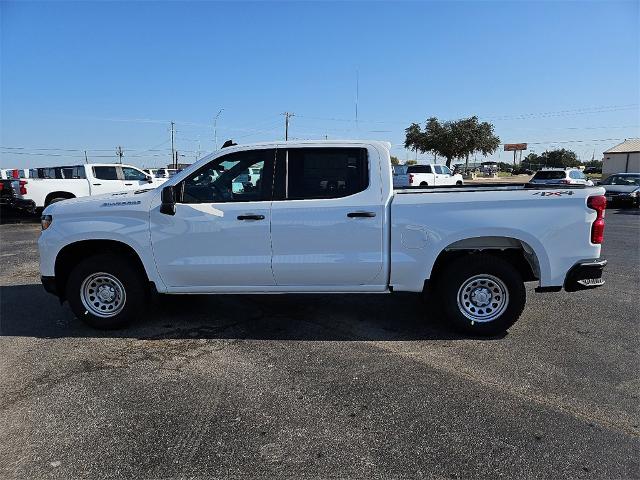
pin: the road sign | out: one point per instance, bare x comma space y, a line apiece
512, 147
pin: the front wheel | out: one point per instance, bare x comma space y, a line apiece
106, 292
482, 294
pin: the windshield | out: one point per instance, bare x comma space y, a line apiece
622, 180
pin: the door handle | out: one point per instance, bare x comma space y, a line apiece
128, 183
250, 217
361, 214
96, 184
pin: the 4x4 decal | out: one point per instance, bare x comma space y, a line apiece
554, 194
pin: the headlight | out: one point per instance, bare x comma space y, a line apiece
635, 193
45, 221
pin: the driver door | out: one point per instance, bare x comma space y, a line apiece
219, 237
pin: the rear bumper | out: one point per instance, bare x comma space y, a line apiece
21, 204
585, 275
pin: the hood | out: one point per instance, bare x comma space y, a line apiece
136, 199
620, 188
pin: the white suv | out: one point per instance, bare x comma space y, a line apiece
561, 176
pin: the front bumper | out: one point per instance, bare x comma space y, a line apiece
585, 275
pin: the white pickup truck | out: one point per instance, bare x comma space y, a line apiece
432, 174
321, 218
61, 183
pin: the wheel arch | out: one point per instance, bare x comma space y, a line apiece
60, 194
71, 255
515, 250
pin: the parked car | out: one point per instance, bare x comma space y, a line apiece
622, 189
324, 220
61, 183
400, 176
432, 174
560, 176
592, 170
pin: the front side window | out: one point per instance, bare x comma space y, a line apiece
237, 177
326, 172
438, 169
105, 173
446, 170
133, 174
576, 175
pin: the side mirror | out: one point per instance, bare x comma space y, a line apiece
149, 179
168, 197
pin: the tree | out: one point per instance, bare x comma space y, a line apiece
411, 162
413, 137
474, 136
452, 139
395, 160
559, 158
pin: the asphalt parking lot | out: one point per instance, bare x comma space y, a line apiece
369, 386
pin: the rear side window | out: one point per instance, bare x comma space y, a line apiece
419, 169
326, 172
549, 175
105, 173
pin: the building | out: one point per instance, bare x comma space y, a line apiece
624, 157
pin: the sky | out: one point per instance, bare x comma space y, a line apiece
96, 75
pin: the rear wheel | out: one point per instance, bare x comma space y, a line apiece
106, 292
424, 184
482, 294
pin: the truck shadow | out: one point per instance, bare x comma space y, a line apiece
28, 311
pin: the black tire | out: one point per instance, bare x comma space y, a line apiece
458, 182
135, 293
469, 271
424, 184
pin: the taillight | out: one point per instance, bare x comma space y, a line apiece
1, 186
15, 173
599, 204
410, 178
23, 187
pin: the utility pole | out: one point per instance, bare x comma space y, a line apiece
173, 148
287, 116
215, 127
357, 94
119, 153
86, 160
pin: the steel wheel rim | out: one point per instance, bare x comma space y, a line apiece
103, 295
483, 298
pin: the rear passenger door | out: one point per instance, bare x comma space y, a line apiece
327, 218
